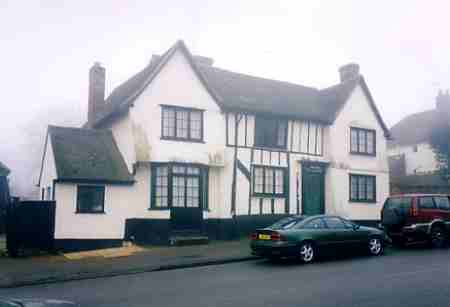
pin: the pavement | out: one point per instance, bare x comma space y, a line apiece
44, 268
410, 277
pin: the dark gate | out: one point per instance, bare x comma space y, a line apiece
313, 189
30, 224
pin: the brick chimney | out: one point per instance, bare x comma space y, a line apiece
96, 100
349, 72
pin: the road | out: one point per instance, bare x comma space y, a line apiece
413, 277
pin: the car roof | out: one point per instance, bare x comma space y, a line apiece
417, 195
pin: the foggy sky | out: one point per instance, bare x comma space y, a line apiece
48, 46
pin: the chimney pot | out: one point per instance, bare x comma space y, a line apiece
96, 100
349, 72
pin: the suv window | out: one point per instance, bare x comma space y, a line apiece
442, 202
335, 223
315, 224
399, 204
426, 202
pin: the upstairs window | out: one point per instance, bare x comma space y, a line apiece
90, 199
270, 132
362, 141
182, 124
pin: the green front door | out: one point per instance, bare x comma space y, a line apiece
313, 189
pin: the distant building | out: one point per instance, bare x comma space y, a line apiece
412, 162
4, 195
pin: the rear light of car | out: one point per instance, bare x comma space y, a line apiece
276, 237
414, 211
254, 236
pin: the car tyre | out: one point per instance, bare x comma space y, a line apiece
307, 252
438, 237
376, 247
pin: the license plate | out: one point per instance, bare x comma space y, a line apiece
264, 237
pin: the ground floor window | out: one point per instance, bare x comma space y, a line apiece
268, 181
90, 199
362, 188
179, 185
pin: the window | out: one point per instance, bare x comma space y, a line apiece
362, 188
286, 223
177, 185
335, 223
315, 224
90, 199
270, 132
182, 124
362, 141
442, 202
400, 204
268, 181
426, 203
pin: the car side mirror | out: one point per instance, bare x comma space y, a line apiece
355, 227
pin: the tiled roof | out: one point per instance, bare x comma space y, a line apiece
87, 154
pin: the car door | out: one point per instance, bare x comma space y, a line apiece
358, 236
317, 230
340, 234
443, 205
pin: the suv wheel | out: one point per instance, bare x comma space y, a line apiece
438, 237
375, 246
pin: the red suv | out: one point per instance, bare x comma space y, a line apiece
417, 217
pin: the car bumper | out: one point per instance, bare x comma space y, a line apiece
270, 251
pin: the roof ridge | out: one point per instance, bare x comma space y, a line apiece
255, 77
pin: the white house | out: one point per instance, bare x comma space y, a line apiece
412, 161
184, 146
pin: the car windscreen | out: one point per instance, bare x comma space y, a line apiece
398, 204
286, 223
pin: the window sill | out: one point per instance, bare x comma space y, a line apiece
168, 209
362, 154
363, 201
259, 147
87, 212
182, 140
268, 196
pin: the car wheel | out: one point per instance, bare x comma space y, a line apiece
375, 246
438, 237
307, 252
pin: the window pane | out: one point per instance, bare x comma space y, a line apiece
168, 122
442, 202
182, 124
370, 142
90, 199
353, 187
178, 188
334, 223
281, 135
279, 181
315, 224
354, 140
161, 186
268, 188
258, 180
426, 202
193, 199
362, 141
178, 169
193, 170
370, 188
267, 132
361, 188
196, 125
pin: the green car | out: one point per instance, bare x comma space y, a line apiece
306, 237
